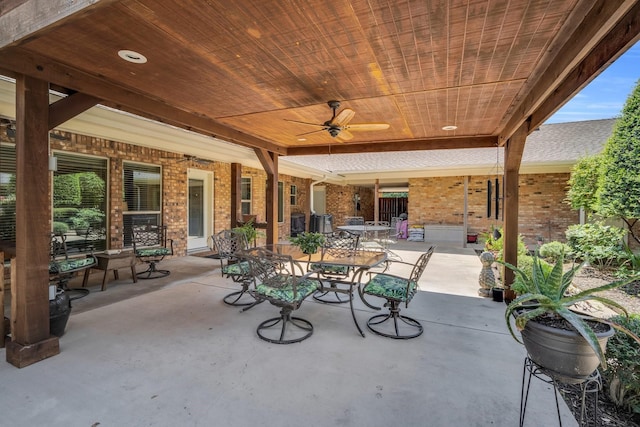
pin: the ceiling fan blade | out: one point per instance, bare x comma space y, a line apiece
309, 133
345, 135
343, 117
368, 126
304, 123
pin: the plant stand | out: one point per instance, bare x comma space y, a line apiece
589, 386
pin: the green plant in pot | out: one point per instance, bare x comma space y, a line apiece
250, 232
558, 337
308, 242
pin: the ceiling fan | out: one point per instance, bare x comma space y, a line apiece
338, 126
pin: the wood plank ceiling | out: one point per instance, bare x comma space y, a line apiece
240, 70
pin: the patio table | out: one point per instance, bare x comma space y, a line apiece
360, 260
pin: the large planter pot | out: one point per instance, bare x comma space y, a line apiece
564, 353
59, 312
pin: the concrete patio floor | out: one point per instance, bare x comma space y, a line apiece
168, 352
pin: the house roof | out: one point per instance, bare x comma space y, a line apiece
551, 148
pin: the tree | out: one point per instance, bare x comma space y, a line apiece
583, 183
619, 184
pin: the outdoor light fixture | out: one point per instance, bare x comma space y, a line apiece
132, 56
450, 127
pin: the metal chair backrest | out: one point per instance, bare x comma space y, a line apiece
421, 265
58, 247
340, 244
146, 236
354, 220
271, 269
227, 243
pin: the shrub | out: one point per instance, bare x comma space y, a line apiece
60, 228
599, 244
553, 250
64, 214
623, 371
496, 245
87, 217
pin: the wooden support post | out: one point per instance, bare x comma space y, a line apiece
376, 201
269, 162
29, 274
513, 157
236, 193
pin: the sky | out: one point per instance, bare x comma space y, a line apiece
605, 96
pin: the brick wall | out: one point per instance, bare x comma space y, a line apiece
541, 212
438, 200
175, 188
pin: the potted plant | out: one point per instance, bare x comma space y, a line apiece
558, 337
250, 232
308, 242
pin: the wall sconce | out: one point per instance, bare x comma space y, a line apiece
11, 128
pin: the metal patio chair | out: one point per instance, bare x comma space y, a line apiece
396, 289
275, 280
228, 244
62, 267
336, 245
151, 245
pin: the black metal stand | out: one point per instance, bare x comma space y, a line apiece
591, 385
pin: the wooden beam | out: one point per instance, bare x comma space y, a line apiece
22, 61
270, 164
624, 35
69, 107
23, 19
516, 147
30, 322
267, 160
236, 193
598, 20
513, 155
390, 146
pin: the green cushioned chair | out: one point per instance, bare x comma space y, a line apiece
275, 280
151, 245
336, 245
62, 267
397, 289
228, 244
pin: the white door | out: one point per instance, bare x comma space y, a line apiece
200, 208
319, 200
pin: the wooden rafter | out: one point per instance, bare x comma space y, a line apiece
69, 107
413, 145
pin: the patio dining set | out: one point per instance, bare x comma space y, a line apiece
286, 276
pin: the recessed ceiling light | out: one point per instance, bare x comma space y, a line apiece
450, 127
131, 56
302, 139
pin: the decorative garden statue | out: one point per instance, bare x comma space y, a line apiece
487, 280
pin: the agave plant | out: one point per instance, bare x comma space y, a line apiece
544, 292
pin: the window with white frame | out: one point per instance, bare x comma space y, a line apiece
245, 196
142, 189
294, 195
